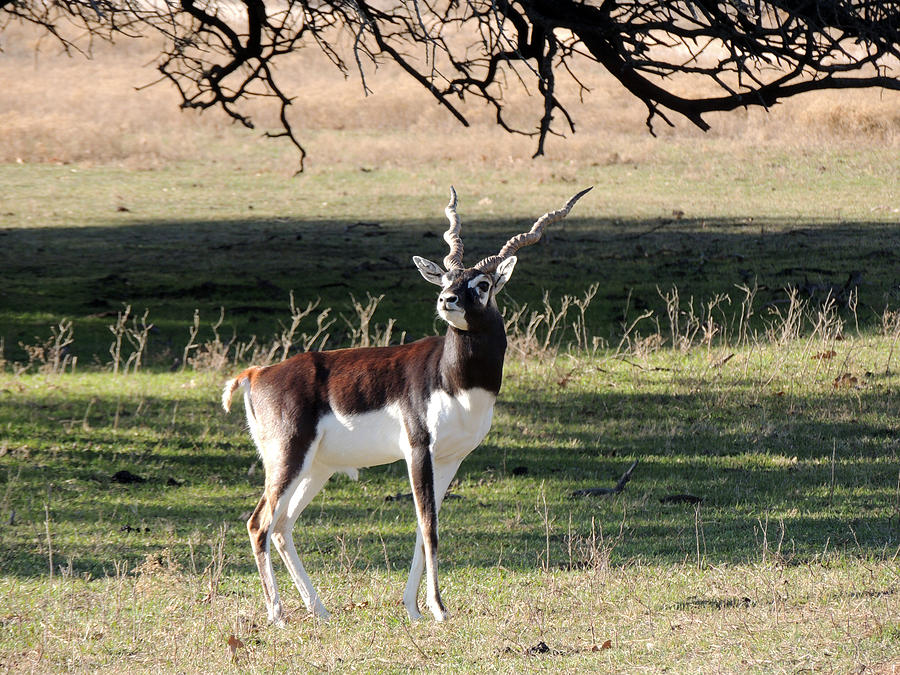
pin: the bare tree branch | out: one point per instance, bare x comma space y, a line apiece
222, 53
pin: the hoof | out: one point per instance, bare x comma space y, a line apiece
440, 614
276, 617
411, 603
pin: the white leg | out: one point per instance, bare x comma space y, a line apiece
277, 501
411, 593
443, 476
307, 487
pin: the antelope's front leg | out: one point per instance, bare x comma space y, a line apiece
443, 476
421, 478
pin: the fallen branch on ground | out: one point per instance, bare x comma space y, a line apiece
590, 492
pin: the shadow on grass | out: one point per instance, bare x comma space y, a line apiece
249, 266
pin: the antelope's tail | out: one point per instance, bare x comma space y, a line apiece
241, 379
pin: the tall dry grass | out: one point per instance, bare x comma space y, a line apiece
67, 108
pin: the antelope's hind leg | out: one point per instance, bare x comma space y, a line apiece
259, 527
290, 485
302, 491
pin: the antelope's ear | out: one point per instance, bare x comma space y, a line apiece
429, 270
504, 272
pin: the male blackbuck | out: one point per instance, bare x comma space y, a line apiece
428, 403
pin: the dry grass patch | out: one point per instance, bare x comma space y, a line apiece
69, 109
634, 617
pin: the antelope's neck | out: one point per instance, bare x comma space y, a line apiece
473, 359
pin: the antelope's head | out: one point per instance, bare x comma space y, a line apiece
468, 294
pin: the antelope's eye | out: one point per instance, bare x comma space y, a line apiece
483, 286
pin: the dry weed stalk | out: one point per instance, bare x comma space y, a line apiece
828, 326
286, 341
631, 341
522, 331
363, 333
593, 551
583, 339
674, 313
316, 340
216, 565
542, 333
262, 354
783, 328
118, 331
789, 321
52, 356
266, 353
853, 306
61, 336
687, 327
242, 349
746, 313
890, 328
47, 531
191, 343
212, 355
137, 336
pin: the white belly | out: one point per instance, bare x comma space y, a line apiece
456, 425
367, 439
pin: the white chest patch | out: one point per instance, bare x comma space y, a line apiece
457, 424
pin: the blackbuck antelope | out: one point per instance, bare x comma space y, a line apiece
428, 403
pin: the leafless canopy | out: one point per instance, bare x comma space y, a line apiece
220, 53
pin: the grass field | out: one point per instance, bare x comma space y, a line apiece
742, 346
788, 563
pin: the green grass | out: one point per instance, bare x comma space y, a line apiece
776, 560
